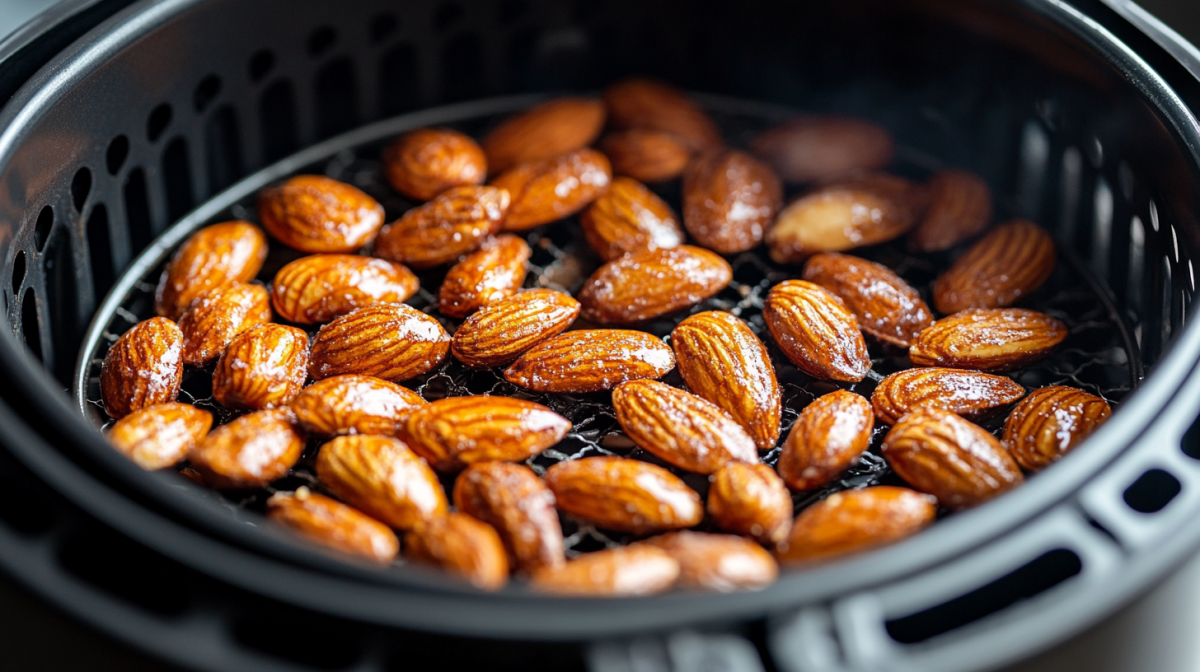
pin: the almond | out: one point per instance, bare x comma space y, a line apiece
158, 437
826, 440
212, 257
217, 316
249, 452
624, 495
543, 132
548, 190
643, 103
499, 332
458, 221
885, 306
856, 520
515, 502
591, 361
960, 206
321, 287
956, 461
143, 368
722, 361
680, 428
816, 331
646, 155
818, 148
460, 544
330, 523
990, 339
721, 562
390, 341
423, 163
1001, 268
729, 200
494, 272
970, 394
353, 404
313, 213
629, 219
651, 284
617, 572
751, 500
1050, 422
263, 367
381, 477
458, 431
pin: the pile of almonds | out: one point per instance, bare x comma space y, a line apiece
384, 446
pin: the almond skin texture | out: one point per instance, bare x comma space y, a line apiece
499, 332
330, 523
390, 341
212, 257
954, 460
721, 562
960, 206
643, 103
263, 367
493, 273
970, 394
629, 219
313, 213
885, 306
515, 502
381, 477
646, 155
1050, 422
591, 361
856, 520
1000, 269
322, 287
988, 339
425, 162
543, 132
651, 284
458, 543
624, 495
458, 221
159, 436
722, 361
458, 431
353, 404
751, 500
627, 571
217, 316
816, 331
729, 200
681, 428
144, 367
548, 190
249, 452
819, 148
826, 440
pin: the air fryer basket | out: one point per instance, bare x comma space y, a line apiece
1079, 120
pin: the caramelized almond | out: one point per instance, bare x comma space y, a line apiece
390, 341
458, 431
751, 500
646, 155
321, 287
647, 285
352, 404
499, 332
543, 132
819, 148
314, 213
330, 523
856, 520
217, 316
960, 206
423, 163
144, 367
885, 306
644, 103
989, 339
970, 394
729, 200
1001, 268
548, 190
816, 331
263, 367
627, 571
249, 452
380, 476
460, 544
629, 219
591, 361
624, 495
515, 502
721, 562
826, 440
1050, 422
494, 272
158, 437
454, 223
212, 257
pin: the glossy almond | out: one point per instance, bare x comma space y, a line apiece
627, 571
543, 132
1000, 269
423, 163
458, 431
729, 200
381, 477
651, 284
826, 440
158, 437
322, 287
212, 257
515, 502
494, 272
751, 500
629, 219
960, 206
249, 452
454, 223
460, 544
217, 316
352, 404
856, 520
1050, 422
988, 339
590, 361
644, 103
646, 155
885, 306
314, 213
624, 495
144, 367
390, 341
499, 332
958, 462
819, 148
330, 523
263, 367
816, 331
548, 190
970, 394
721, 562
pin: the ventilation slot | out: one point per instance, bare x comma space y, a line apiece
160, 118
206, 92
337, 98
81, 185
463, 68
277, 120
137, 210
1152, 491
126, 570
223, 149
260, 65
100, 251
328, 643
29, 323
41, 230
398, 81
118, 151
58, 267
25, 505
18, 275
1191, 440
177, 179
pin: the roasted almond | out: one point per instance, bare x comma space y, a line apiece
729, 200
423, 163
321, 287
819, 148
629, 219
970, 394
212, 257
627, 571
454, 223
391, 341
989, 339
815, 330
548, 190
145, 367
646, 155
826, 440
249, 452
624, 495
543, 132
494, 272
950, 458
314, 213
515, 502
856, 520
381, 477
591, 361
460, 544
158, 437
263, 367
458, 431
1001, 268
885, 306
751, 500
1050, 422
960, 206
330, 523
642, 286
644, 103
217, 316
353, 404
499, 332
721, 562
